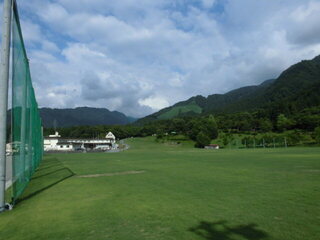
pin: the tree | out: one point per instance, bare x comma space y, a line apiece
227, 138
244, 125
294, 138
317, 134
283, 123
265, 125
178, 125
202, 140
211, 127
160, 137
246, 141
194, 127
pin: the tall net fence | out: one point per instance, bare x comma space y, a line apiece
27, 139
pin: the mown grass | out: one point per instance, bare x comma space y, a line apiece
184, 193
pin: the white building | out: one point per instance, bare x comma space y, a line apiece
56, 143
212, 146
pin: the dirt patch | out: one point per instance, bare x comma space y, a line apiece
110, 174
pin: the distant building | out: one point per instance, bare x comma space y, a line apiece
56, 143
8, 149
56, 134
212, 146
110, 136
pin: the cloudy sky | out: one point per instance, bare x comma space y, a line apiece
140, 56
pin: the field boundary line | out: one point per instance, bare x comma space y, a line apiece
110, 174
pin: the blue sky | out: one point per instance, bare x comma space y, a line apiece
140, 56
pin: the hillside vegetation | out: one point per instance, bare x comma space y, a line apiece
296, 88
183, 110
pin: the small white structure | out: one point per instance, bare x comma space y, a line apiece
51, 142
212, 146
55, 135
56, 143
8, 149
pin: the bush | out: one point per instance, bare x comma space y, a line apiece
317, 134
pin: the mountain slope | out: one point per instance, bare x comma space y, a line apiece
213, 103
82, 116
298, 86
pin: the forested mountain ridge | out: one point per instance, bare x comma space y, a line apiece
296, 88
82, 116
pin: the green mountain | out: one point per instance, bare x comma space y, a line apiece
296, 88
82, 116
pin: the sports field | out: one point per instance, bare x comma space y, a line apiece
162, 191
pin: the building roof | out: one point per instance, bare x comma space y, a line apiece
55, 135
110, 136
77, 141
65, 143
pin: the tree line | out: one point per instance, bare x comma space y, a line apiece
202, 129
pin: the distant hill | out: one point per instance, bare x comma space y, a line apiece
82, 116
297, 87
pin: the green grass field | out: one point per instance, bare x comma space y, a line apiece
183, 193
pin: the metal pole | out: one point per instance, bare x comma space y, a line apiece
4, 79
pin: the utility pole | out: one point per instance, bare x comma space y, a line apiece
4, 79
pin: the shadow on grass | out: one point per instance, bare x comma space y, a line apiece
50, 173
45, 168
221, 230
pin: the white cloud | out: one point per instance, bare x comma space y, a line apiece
53, 13
306, 28
176, 81
154, 102
208, 3
32, 32
138, 58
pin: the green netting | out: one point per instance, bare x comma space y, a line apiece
26, 123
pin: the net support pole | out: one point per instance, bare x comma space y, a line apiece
4, 79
